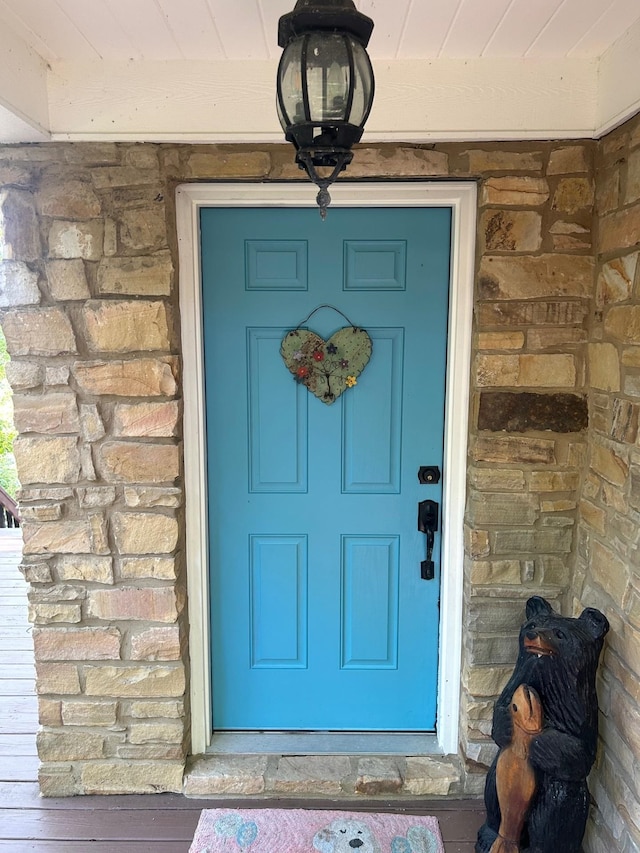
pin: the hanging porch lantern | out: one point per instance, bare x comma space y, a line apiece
325, 86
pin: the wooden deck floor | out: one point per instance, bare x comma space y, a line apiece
161, 823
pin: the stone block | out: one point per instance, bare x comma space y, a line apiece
128, 777
142, 156
553, 481
500, 340
150, 604
385, 160
485, 680
168, 732
568, 160
67, 199
495, 572
535, 371
96, 496
143, 229
535, 277
145, 533
57, 678
86, 536
156, 643
152, 496
378, 776
622, 323
38, 331
238, 774
610, 571
135, 681
67, 280
604, 367
110, 177
146, 419
149, 276
36, 571
544, 541
620, 230
520, 191
123, 327
40, 512
15, 175
547, 313
593, 516
19, 226
494, 650
94, 714
214, 162
513, 450
430, 776
486, 509
522, 412
69, 746
91, 422
312, 774
47, 460
49, 413
616, 279
57, 780
160, 568
151, 752
149, 709
18, 285
497, 479
85, 568
511, 231
607, 463
76, 644
57, 374
49, 613
24, 375
49, 712
76, 239
573, 195
503, 161
143, 377
632, 193
136, 462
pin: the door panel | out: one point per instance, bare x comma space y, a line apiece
320, 619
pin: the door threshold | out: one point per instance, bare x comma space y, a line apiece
323, 743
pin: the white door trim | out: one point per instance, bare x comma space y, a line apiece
461, 197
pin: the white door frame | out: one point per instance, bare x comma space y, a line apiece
461, 197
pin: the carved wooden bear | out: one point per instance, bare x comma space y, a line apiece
558, 660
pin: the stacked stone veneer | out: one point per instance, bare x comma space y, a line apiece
90, 312
607, 573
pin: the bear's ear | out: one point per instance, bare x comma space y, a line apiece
595, 622
537, 605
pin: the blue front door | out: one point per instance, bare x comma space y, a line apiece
320, 619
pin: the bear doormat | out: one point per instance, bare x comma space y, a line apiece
307, 831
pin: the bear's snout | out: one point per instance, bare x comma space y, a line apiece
355, 843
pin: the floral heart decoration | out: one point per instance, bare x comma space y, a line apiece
327, 368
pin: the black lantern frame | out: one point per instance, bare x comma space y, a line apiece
320, 38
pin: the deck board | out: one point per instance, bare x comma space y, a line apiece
158, 823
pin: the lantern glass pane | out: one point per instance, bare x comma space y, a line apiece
328, 77
362, 85
290, 84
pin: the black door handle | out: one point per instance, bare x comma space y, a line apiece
428, 523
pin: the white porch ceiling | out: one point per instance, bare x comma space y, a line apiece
204, 70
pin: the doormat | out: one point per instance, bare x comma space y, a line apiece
307, 831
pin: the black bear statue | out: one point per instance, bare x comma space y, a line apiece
556, 667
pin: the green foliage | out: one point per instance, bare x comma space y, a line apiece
8, 475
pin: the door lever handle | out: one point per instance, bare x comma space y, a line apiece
428, 524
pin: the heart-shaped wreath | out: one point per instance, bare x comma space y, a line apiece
327, 368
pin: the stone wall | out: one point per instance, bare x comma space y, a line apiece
608, 557
89, 309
